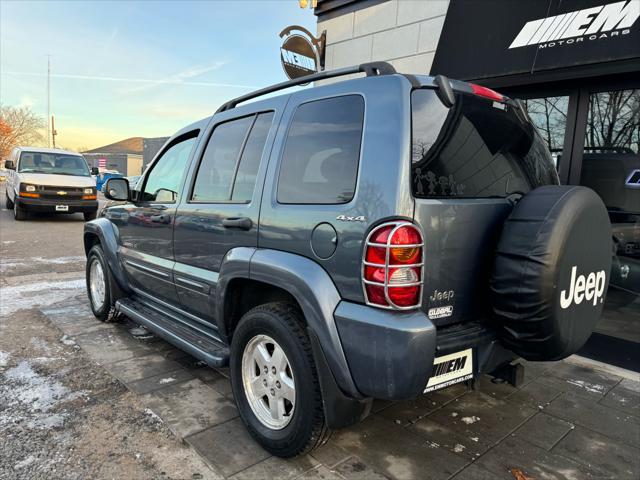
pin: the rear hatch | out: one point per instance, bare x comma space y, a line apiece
470, 164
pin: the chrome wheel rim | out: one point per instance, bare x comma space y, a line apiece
268, 382
96, 284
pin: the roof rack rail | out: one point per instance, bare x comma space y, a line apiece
371, 69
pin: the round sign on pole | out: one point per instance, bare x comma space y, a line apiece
300, 53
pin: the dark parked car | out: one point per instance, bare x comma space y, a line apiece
380, 237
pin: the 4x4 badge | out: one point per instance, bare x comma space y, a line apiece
347, 218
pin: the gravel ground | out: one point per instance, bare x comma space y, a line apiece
63, 416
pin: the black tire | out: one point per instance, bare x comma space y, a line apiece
19, 213
9, 203
307, 429
88, 216
107, 312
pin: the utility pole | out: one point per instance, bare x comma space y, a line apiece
54, 132
48, 100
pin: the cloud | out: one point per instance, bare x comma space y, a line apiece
26, 101
180, 78
173, 80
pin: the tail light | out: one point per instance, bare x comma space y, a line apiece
486, 92
392, 270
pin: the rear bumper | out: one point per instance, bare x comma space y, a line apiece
391, 354
49, 206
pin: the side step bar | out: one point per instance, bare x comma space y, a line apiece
191, 341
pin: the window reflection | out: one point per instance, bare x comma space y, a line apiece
549, 115
611, 167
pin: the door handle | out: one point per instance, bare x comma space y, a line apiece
242, 223
160, 218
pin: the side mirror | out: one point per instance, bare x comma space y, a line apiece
9, 165
117, 189
95, 171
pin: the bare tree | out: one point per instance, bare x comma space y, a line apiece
549, 115
19, 126
614, 120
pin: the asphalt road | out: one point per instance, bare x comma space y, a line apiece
43, 243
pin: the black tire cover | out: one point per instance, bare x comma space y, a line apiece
551, 271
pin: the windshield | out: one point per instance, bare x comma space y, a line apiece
53, 163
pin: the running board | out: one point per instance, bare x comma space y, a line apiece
199, 345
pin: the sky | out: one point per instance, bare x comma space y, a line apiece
121, 69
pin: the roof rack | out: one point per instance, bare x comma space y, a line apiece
371, 69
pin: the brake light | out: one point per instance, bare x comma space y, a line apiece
393, 266
486, 92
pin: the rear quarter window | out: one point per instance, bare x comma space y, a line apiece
474, 149
322, 150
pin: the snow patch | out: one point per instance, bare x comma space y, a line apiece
454, 414
475, 439
35, 396
589, 387
459, 448
151, 413
67, 341
36, 391
470, 420
164, 381
4, 358
9, 263
37, 294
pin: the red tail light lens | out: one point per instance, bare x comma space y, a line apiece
486, 92
392, 270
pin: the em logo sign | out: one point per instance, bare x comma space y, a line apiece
593, 23
301, 53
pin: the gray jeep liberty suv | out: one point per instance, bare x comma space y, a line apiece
375, 238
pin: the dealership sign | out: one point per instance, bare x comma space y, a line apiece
595, 23
524, 38
301, 53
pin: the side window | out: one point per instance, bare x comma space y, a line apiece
322, 150
245, 181
230, 162
163, 182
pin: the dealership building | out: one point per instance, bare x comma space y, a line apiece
575, 64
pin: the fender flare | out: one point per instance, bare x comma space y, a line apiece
105, 231
318, 297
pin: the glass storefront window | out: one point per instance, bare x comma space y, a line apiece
611, 167
549, 115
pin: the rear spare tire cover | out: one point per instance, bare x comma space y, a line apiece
551, 271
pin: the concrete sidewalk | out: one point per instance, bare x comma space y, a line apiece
565, 422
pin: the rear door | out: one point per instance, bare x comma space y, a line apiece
221, 204
469, 164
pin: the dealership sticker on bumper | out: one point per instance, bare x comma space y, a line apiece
451, 369
62, 208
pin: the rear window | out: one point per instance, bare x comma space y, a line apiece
477, 148
320, 159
